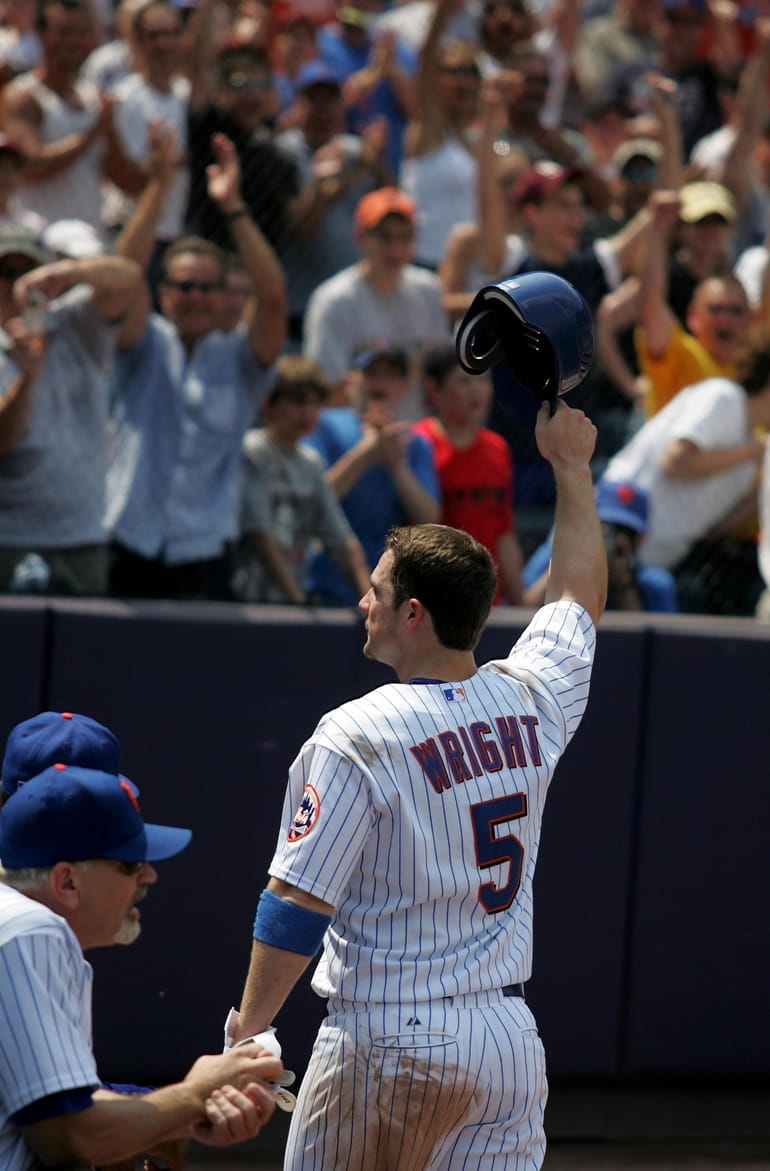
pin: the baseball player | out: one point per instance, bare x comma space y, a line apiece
407, 849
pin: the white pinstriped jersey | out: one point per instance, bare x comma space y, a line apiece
416, 812
45, 1016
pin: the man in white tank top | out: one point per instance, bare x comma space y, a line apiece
156, 90
63, 125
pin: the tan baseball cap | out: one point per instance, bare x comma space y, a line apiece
702, 199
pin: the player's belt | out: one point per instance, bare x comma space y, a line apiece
467, 999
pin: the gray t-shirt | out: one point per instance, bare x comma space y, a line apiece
285, 493
347, 311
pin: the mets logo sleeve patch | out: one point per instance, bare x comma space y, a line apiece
306, 816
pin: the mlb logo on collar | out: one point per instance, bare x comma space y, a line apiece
453, 692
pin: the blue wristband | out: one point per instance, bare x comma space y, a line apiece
285, 925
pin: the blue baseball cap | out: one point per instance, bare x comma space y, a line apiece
622, 503
381, 350
58, 737
71, 814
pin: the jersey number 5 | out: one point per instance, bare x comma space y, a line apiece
494, 849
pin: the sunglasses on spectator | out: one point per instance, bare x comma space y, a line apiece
461, 70
730, 310
242, 82
640, 174
194, 286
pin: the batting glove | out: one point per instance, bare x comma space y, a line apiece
269, 1041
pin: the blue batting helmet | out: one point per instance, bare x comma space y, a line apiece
538, 324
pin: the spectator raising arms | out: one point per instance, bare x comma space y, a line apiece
61, 322
232, 93
335, 171
156, 91
63, 125
186, 392
375, 68
439, 171
717, 316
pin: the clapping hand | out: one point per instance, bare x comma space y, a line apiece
162, 157
223, 176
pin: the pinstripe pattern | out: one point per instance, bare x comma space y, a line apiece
45, 1016
465, 1091
426, 807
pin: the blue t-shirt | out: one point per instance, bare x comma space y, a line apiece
345, 60
372, 505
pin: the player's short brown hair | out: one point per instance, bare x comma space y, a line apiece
451, 573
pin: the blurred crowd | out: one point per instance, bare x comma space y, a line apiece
236, 237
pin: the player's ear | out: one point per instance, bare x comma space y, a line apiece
415, 612
64, 881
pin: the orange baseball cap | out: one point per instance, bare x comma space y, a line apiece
376, 205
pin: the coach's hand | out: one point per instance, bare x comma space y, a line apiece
234, 1115
238, 1067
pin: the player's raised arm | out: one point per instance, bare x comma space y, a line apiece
578, 570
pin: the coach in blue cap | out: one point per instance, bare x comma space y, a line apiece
76, 857
57, 738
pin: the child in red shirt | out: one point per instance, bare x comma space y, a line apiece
474, 464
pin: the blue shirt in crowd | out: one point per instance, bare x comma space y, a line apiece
173, 481
372, 505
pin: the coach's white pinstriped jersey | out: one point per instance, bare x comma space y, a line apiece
45, 1016
416, 812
